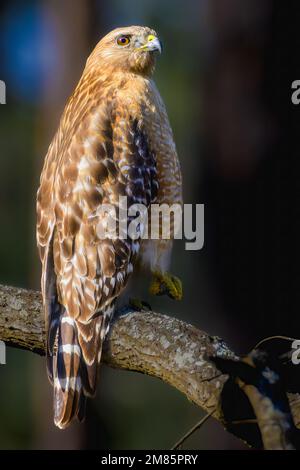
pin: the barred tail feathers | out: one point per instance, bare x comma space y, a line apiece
75, 365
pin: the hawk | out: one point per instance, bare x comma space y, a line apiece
114, 139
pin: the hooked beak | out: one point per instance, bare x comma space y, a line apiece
152, 44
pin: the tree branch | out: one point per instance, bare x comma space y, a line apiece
161, 346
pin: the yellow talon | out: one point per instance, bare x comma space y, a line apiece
139, 305
166, 283
155, 287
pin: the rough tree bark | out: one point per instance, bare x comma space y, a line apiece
200, 366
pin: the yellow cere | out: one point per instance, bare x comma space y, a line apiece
150, 38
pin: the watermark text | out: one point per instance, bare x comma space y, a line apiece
2, 353
2, 92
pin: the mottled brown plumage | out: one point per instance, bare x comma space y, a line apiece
114, 139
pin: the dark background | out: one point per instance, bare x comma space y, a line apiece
225, 76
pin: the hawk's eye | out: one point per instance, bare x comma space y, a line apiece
123, 40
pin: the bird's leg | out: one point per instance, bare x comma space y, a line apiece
166, 284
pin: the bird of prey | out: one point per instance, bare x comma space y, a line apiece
114, 139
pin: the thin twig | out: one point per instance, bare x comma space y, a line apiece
269, 338
192, 430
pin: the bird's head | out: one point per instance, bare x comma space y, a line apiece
132, 48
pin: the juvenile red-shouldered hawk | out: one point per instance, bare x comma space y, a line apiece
114, 139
